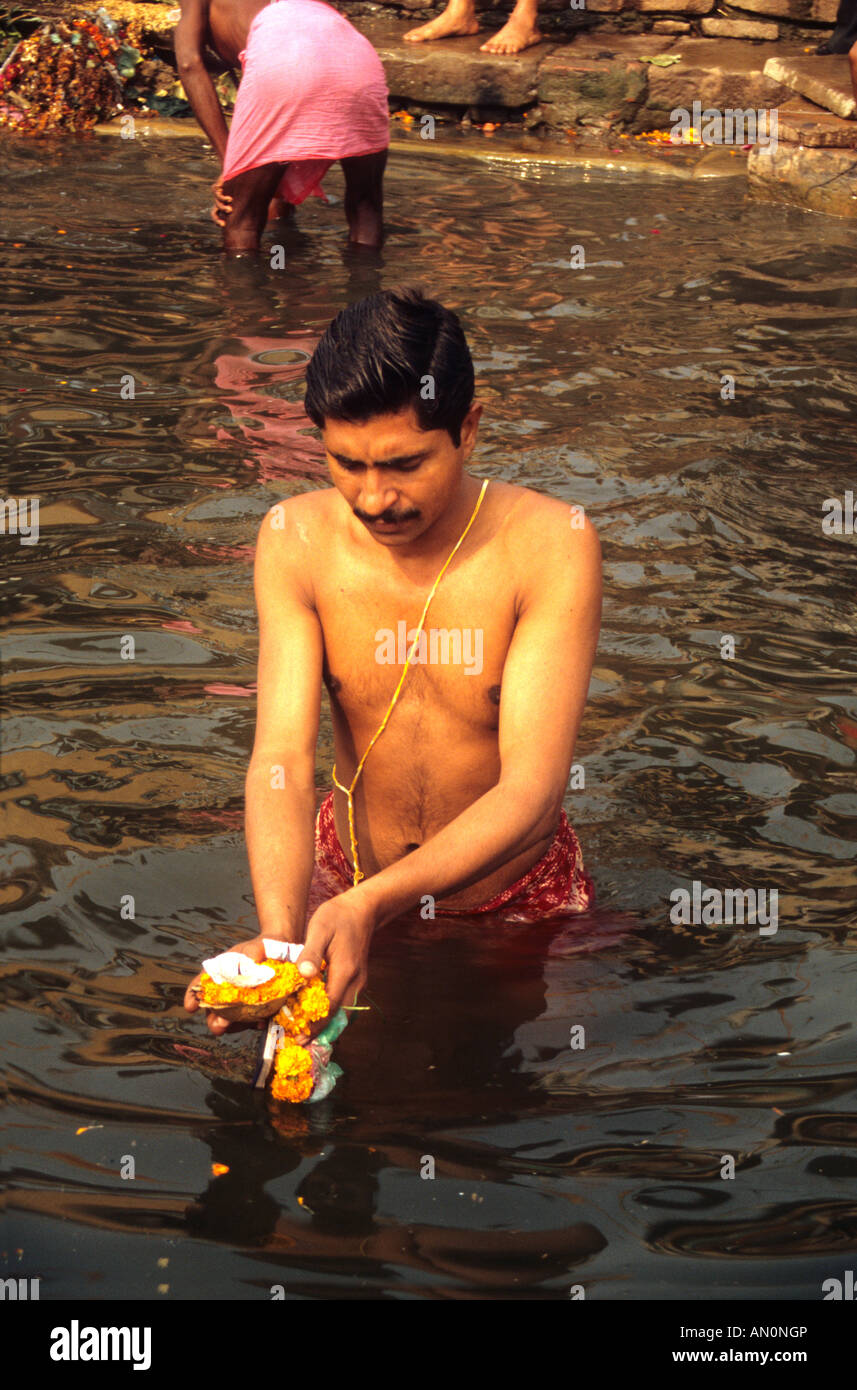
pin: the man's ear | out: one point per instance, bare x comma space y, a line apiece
470, 428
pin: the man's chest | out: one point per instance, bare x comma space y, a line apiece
457, 657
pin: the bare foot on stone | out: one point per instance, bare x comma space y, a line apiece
457, 18
514, 37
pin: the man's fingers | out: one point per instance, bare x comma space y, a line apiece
191, 1002
309, 965
343, 987
222, 205
315, 950
217, 1024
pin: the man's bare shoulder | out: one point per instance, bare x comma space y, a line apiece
302, 518
542, 533
295, 532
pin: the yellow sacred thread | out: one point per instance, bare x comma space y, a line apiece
349, 791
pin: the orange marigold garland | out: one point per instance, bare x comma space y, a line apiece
65, 75
242, 1002
292, 1077
243, 990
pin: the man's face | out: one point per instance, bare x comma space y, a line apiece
397, 478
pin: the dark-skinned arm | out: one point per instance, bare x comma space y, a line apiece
189, 42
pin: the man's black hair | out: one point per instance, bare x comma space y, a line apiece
387, 352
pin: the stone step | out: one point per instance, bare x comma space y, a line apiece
453, 72
819, 180
801, 11
739, 29
719, 73
598, 78
801, 122
825, 80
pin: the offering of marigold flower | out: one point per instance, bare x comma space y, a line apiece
308, 1004
245, 990
292, 1077
246, 1002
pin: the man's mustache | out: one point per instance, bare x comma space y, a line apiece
390, 518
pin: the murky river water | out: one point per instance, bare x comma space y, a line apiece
604, 385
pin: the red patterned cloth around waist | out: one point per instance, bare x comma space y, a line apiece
557, 883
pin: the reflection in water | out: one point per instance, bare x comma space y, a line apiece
262, 385
123, 779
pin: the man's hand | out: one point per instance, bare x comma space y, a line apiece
217, 1024
339, 933
222, 204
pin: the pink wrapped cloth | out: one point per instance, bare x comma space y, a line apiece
312, 91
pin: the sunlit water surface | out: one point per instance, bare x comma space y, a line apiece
604, 386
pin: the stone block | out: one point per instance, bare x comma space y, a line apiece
579, 89
802, 123
825, 80
454, 72
739, 29
671, 6
670, 26
598, 44
819, 180
719, 73
802, 11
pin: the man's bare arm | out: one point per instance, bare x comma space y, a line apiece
280, 785
189, 43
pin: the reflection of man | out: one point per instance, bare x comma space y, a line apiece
450, 781
251, 385
312, 92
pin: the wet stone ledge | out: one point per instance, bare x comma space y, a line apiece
819, 180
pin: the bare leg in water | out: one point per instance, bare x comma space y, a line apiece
253, 201
364, 197
251, 194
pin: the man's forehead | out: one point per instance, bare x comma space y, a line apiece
381, 438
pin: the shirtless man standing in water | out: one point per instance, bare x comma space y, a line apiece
312, 92
460, 797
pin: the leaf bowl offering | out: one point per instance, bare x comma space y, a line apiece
251, 1003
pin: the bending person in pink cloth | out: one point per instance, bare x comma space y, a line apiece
312, 91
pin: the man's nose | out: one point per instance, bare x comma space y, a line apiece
376, 494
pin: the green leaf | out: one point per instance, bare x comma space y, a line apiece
127, 59
168, 106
